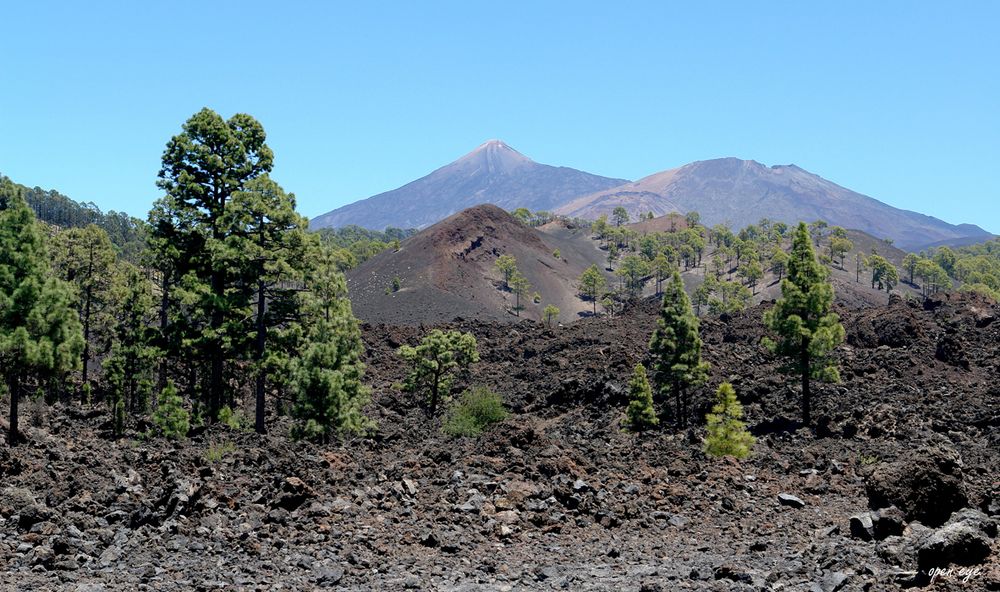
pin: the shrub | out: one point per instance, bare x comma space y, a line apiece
727, 434
217, 452
235, 420
171, 417
473, 412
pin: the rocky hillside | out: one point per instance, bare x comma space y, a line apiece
898, 479
448, 271
741, 192
493, 173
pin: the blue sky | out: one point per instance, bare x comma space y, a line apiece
898, 100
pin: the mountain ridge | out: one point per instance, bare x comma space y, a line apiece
492, 173
740, 192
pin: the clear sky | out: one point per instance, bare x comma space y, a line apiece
897, 100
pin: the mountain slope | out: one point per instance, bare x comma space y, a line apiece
741, 192
447, 271
493, 173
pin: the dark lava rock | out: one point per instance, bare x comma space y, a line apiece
951, 351
862, 526
964, 540
787, 499
925, 484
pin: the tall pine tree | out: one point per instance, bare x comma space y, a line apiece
807, 330
675, 349
40, 333
129, 368
85, 258
268, 240
203, 167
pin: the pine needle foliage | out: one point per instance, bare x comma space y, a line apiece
435, 362
727, 434
675, 348
640, 415
806, 328
172, 419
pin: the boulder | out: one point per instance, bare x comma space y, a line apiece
926, 484
964, 540
862, 526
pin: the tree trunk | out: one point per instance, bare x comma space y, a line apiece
217, 362
14, 388
161, 379
806, 395
86, 339
261, 344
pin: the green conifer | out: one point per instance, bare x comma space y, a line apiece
676, 349
640, 414
40, 333
807, 329
172, 419
727, 434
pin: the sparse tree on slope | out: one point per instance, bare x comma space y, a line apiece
40, 333
884, 273
591, 285
910, 262
550, 313
807, 330
727, 434
507, 266
435, 362
620, 214
640, 414
520, 286
675, 348
779, 262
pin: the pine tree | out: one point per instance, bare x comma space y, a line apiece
434, 363
507, 266
550, 313
779, 262
807, 329
326, 379
727, 434
267, 241
85, 258
128, 369
620, 214
910, 262
203, 167
675, 348
591, 284
520, 286
172, 419
40, 334
640, 414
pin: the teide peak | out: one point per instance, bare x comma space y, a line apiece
493, 173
